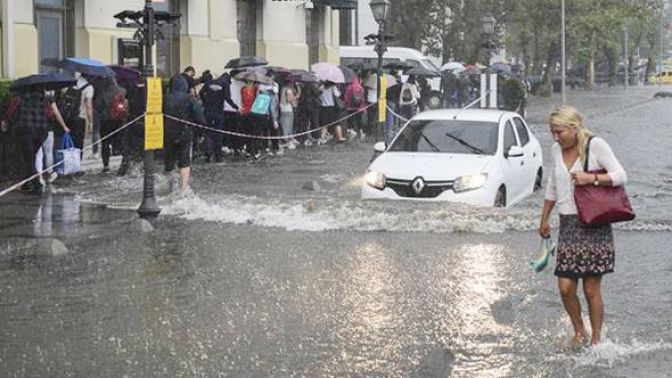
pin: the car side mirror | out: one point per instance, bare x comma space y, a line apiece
380, 147
515, 151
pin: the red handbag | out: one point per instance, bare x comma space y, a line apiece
599, 205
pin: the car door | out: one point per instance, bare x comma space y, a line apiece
514, 166
529, 156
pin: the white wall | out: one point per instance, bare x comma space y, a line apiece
98, 13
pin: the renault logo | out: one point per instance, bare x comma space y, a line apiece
418, 185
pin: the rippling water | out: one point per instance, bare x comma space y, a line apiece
252, 276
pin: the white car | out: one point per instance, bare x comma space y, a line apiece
473, 156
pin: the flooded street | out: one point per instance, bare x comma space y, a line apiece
254, 276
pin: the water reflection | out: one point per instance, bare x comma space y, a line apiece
480, 272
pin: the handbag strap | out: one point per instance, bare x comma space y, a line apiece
585, 162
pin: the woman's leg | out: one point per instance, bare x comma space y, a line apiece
593, 292
567, 288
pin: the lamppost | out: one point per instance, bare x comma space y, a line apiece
380, 10
488, 30
148, 23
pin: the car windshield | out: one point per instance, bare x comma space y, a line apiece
448, 136
430, 65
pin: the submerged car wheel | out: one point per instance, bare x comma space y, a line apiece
500, 199
537, 180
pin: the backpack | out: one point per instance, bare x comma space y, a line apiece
118, 109
71, 102
406, 95
262, 104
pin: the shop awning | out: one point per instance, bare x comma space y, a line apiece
336, 4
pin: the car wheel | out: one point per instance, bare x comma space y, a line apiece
500, 198
537, 181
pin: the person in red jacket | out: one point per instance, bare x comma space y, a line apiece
355, 100
248, 94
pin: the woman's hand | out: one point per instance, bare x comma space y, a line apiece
544, 229
582, 178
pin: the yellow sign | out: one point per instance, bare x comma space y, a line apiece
383, 84
153, 132
154, 96
382, 110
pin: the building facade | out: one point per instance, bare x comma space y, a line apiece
289, 33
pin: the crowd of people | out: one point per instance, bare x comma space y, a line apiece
275, 108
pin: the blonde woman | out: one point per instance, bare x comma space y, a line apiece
584, 253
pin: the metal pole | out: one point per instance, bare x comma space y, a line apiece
662, 37
626, 63
148, 207
380, 50
564, 58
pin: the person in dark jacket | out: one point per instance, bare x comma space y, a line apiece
104, 92
29, 115
177, 136
214, 94
309, 112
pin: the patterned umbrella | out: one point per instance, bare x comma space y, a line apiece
253, 76
328, 72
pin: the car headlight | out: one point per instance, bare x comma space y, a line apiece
469, 182
375, 179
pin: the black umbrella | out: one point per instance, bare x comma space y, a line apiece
49, 81
246, 61
87, 66
126, 74
422, 72
348, 73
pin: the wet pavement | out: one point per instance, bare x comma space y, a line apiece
255, 277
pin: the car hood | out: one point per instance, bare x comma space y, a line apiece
430, 166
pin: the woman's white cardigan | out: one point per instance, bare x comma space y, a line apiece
560, 187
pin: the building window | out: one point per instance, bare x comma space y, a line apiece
168, 48
313, 23
347, 27
247, 11
54, 20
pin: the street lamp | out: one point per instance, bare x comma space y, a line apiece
488, 30
380, 10
148, 23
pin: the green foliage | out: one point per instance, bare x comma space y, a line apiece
4, 94
513, 92
531, 30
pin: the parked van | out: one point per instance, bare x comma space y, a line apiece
354, 54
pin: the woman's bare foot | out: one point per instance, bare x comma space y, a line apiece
578, 341
594, 340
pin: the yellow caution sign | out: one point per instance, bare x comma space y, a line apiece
382, 99
383, 84
153, 132
154, 95
382, 110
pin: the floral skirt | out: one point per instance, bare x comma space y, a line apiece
584, 251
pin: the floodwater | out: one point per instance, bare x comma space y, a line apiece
253, 276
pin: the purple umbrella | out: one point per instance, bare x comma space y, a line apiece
126, 74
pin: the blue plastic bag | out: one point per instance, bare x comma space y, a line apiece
70, 156
546, 250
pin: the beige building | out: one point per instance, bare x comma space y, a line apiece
289, 33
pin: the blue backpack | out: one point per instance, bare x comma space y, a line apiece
262, 104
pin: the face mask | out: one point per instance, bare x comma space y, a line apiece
78, 75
